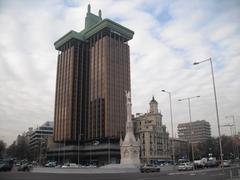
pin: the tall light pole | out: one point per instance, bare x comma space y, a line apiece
90, 162
78, 147
58, 153
190, 117
216, 106
171, 115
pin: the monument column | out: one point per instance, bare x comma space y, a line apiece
129, 147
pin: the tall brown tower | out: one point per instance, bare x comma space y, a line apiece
93, 74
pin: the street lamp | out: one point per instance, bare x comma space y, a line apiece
171, 114
190, 117
216, 105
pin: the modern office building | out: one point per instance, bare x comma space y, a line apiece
38, 140
201, 131
154, 139
93, 73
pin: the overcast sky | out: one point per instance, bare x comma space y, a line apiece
169, 37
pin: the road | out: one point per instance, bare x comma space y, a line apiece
216, 175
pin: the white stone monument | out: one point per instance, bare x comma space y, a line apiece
129, 147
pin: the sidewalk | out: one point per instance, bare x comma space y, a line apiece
164, 170
84, 170
226, 169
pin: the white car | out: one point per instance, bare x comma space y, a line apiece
226, 163
70, 165
91, 166
185, 167
51, 164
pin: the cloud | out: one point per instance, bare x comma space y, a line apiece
169, 36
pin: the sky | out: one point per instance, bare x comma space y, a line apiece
169, 37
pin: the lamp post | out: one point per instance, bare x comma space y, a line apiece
58, 153
90, 161
171, 115
190, 117
216, 106
78, 147
64, 152
109, 155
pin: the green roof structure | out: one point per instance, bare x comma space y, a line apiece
94, 24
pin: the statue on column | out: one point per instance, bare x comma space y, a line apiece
129, 147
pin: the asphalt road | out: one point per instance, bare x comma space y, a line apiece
217, 175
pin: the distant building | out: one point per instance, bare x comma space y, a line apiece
201, 131
20, 139
154, 139
38, 140
28, 135
25, 137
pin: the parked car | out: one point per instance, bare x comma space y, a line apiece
18, 164
149, 168
6, 164
226, 163
70, 165
91, 166
185, 167
5, 167
180, 161
25, 167
51, 164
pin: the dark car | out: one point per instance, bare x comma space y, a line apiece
149, 168
5, 167
25, 167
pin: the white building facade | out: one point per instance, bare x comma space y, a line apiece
154, 139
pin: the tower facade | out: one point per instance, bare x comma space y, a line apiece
93, 74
